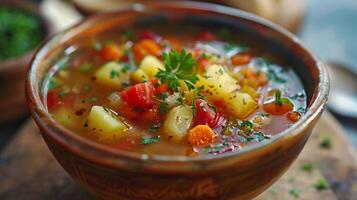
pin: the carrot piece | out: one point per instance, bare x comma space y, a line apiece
293, 116
111, 52
241, 59
276, 109
145, 47
201, 135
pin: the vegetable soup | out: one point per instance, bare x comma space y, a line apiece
174, 91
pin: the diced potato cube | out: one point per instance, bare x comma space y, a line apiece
151, 65
217, 82
64, 116
139, 76
105, 123
240, 104
113, 75
178, 123
251, 91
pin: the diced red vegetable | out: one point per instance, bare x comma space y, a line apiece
111, 52
201, 64
206, 36
275, 109
151, 115
149, 35
206, 115
146, 47
139, 96
54, 99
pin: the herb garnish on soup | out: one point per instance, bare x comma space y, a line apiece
169, 93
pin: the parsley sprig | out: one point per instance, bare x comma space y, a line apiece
178, 67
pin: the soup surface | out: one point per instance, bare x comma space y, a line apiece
173, 91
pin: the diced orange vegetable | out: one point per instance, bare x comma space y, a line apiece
145, 47
241, 59
276, 109
201, 64
293, 116
201, 135
258, 76
174, 42
111, 52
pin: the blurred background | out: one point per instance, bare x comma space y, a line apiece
327, 27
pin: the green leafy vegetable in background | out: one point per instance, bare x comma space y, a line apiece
20, 32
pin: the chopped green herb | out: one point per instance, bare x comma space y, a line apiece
85, 67
114, 74
62, 94
278, 99
150, 140
308, 167
52, 84
126, 68
231, 47
272, 75
128, 35
154, 127
163, 108
294, 192
194, 109
87, 88
273, 190
322, 184
178, 67
326, 143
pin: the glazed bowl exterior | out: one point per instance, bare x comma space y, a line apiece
13, 71
113, 174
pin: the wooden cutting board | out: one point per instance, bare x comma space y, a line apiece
29, 171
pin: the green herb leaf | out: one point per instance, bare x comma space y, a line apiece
322, 184
154, 127
326, 143
178, 67
294, 192
114, 73
163, 108
278, 100
150, 140
308, 167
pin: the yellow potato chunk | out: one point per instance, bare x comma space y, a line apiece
112, 75
217, 82
151, 65
139, 76
105, 123
66, 117
178, 122
239, 104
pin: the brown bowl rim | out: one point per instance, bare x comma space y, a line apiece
104, 155
48, 27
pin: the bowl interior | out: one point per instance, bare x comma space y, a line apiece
280, 42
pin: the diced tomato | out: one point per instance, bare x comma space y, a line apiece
206, 36
54, 99
149, 35
201, 64
139, 96
206, 115
111, 52
151, 115
145, 47
241, 59
162, 88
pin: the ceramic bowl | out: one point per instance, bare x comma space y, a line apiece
113, 174
13, 70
